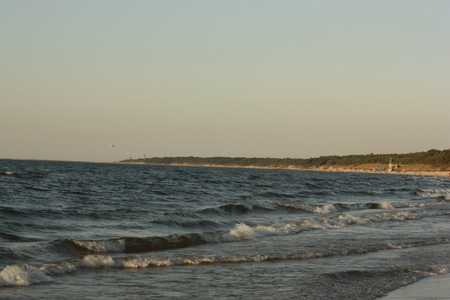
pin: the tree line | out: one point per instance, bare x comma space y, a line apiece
437, 159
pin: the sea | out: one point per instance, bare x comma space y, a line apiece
73, 230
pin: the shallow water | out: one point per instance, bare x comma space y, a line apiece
109, 231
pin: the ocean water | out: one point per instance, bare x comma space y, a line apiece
114, 231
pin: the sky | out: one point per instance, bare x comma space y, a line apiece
206, 78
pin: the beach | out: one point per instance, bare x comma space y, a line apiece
433, 287
428, 172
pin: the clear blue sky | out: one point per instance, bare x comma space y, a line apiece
258, 78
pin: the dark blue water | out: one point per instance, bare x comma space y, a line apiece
108, 231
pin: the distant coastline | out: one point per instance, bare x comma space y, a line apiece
432, 162
427, 172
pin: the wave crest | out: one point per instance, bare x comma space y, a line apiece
22, 276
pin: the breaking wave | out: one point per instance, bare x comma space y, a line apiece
241, 231
29, 275
442, 194
236, 209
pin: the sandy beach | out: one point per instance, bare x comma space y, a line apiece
412, 172
336, 169
433, 287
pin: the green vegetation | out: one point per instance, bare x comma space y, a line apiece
429, 160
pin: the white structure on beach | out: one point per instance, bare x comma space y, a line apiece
393, 167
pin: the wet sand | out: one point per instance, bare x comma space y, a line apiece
433, 287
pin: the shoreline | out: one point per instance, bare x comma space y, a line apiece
346, 169
431, 287
428, 172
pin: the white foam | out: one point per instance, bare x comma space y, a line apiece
386, 205
401, 216
234, 259
435, 193
102, 246
441, 269
326, 209
197, 261
390, 245
245, 232
22, 276
63, 268
140, 262
97, 261
242, 232
336, 224
14, 275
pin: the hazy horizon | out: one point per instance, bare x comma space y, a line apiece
161, 156
296, 79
